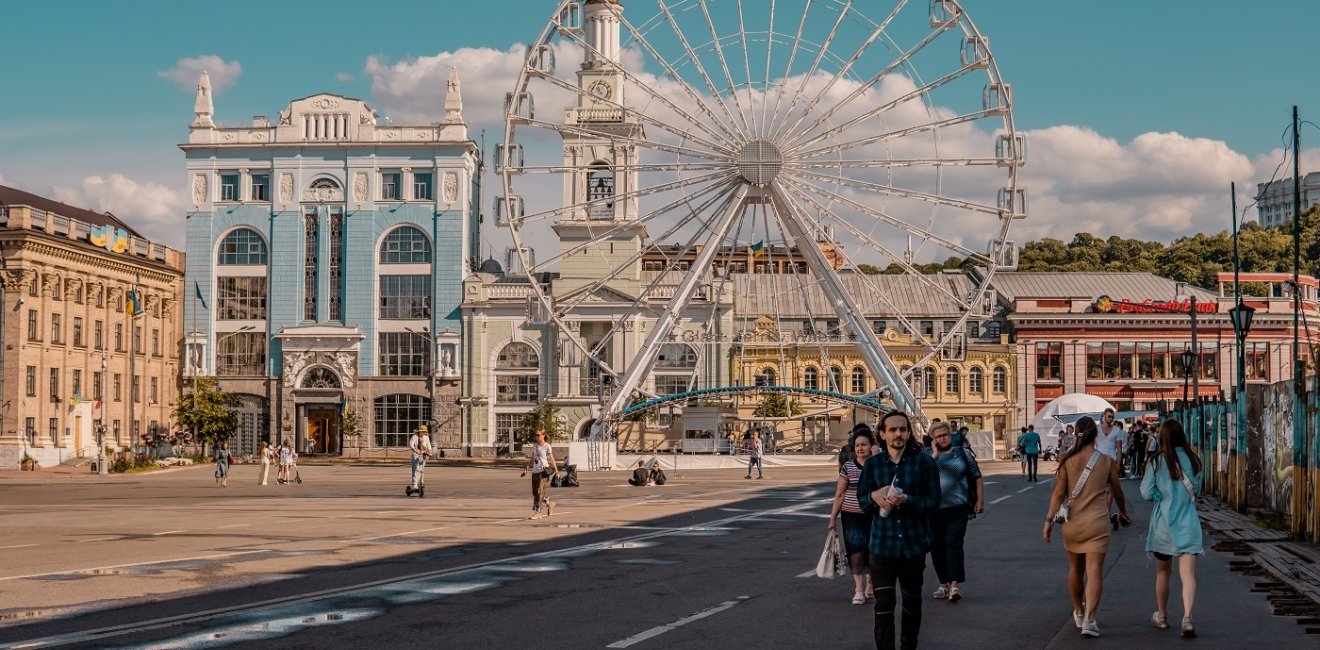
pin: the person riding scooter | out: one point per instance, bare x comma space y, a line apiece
420, 445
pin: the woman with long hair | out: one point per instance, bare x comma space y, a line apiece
1086, 533
1172, 479
856, 524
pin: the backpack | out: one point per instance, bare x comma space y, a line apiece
660, 477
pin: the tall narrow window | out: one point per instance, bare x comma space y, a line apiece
98, 334
78, 331
336, 264
389, 186
858, 381
34, 334
422, 187
261, 187
228, 186
56, 329
31, 381
76, 389
311, 226
600, 191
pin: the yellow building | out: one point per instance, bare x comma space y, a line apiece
72, 356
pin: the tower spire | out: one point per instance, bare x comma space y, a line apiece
453, 127
203, 107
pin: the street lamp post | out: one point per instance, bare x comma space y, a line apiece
1188, 359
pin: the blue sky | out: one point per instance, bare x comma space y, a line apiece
85, 99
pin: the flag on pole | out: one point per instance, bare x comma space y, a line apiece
197, 290
758, 248
343, 408
133, 305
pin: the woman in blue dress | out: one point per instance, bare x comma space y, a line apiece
856, 523
1172, 480
222, 458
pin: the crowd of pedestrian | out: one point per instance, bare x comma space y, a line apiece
897, 500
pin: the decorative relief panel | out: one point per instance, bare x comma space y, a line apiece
450, 187
50, 285
294, 362
71, 288
286, 187
324, 190
346, 365
199, 188
14, 279
360, 187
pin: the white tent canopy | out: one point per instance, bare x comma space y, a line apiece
1050, 427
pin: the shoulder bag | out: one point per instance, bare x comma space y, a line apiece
1061, 517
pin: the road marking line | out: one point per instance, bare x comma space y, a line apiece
17, 546
234, 526
807, 574
992, 482
1006, 496
168, 532
411, 532
123, 566
110, 631
661, 629
1025, 489
96, 539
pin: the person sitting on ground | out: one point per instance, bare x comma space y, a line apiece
657, 476
640, 475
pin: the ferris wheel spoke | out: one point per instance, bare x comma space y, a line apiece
890, 190
746, 52
776, 130
632, 194
787, 127
644, 167
882, 163
895, 222
569, 129
920, 91
788, 69
644, 360
724, 65
646, 87
900, 133
872, 242
683, 132
700, 69
730, 132
716, 196
845, 306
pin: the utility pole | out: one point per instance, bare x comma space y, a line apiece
1239, 392
1300, 466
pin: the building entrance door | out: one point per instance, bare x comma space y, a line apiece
322, 430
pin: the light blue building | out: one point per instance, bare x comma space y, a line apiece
326, 252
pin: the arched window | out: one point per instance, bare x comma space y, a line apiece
999, 380
243, 246
517, 375
976, 381
811, 378
320, 378
952, 382
517, 356
406, 245
676, 355
767, 377
836, 379
398, 416
600, 191
858, 380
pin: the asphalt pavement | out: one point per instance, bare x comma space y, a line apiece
708, 561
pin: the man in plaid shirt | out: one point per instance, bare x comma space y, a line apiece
901, 538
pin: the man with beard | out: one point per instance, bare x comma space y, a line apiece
900, 486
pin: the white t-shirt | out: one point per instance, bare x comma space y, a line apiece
1108, 444
420, 444
540, 457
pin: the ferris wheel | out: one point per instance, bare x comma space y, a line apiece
671, 153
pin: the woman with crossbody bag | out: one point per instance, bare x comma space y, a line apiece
1173, 475
1079, 503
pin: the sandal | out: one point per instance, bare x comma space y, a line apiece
869, 593
954, 595
941, 593
858, 599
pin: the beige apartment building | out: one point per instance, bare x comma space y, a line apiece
72, 358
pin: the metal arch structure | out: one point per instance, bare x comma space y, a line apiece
856, 400
843, 136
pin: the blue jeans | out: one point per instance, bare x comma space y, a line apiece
755, 461
1033, 460
418, 469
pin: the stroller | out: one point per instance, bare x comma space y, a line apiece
565, 477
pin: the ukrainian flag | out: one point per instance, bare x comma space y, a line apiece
758, 248
133, 305
343, 409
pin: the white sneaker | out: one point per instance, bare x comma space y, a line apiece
1090, 628
1077, 619
858, 599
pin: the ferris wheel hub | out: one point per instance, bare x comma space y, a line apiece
759, 162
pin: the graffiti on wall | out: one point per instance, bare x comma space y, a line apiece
1274, 440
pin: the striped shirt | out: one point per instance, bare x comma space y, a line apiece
957, 468
851, 471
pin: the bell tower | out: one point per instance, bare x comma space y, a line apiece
600, 146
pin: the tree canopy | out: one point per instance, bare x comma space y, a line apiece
207, 412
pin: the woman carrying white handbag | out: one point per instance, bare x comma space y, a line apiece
1172, 476
856, 524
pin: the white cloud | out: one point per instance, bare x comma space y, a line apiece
344, 76
413, 90
186, 72
155, 210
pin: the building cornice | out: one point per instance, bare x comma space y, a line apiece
108, 264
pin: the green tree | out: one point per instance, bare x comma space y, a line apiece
544, 417
775, 405
206, 412
869, 269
